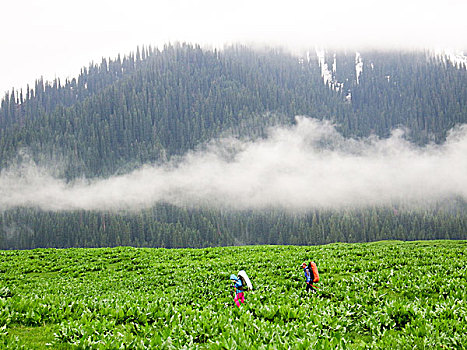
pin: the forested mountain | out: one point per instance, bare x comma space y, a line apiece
154, 104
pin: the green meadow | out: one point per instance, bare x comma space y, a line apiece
383, 295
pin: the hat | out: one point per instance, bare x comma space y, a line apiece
303, 265
233, 277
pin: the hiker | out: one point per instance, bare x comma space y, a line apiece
238, 289
311, 276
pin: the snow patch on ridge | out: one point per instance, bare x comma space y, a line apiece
326, 74
458, 59
358, 66
454, 57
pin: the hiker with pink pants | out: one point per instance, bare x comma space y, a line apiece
238, 290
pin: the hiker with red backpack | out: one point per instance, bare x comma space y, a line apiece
311, 275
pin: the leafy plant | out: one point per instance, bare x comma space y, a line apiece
181, 298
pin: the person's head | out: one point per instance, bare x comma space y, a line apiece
233, 277
303, 265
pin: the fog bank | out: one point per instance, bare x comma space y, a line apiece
300, 167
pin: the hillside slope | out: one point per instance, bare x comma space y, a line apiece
154, 105
149, 106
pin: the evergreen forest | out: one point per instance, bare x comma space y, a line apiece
156, 104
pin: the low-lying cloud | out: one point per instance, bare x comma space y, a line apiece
304, 166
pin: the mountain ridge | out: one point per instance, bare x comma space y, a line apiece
156, 105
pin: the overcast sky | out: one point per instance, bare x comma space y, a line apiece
56, 38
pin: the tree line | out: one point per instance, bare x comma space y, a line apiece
173, 227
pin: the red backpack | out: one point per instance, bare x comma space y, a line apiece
314, 271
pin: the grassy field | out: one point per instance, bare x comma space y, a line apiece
388, 295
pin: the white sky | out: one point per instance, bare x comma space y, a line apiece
56, 38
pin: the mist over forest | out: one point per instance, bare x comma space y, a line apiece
190, 147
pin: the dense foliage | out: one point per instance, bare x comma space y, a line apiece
379, 295
172, 227
154, 104
151, 105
